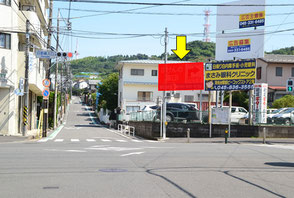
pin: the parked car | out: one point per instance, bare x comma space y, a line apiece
150, 108
238, 113
179, 112
270, 115
286, 117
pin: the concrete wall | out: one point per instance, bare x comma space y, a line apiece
151, 130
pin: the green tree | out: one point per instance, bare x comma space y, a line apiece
239, 97
286, 101
108, 90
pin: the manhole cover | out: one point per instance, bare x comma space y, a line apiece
112, 170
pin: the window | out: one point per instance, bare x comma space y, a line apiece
144, 96
189, 98
154, 73
5, 41
137, 72
132, 109
292, 73
5, 2
258, 73
242, 110
233, 110
279, 71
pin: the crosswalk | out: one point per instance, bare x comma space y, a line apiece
95, 140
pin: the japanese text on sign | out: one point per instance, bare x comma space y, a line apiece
234, 75
241, 45
252, 19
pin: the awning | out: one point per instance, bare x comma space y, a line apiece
279, 88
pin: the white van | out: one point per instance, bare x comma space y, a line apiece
237, 113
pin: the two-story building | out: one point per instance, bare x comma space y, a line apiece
138, 86
12, 61
275, 70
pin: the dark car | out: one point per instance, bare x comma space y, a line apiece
179, 111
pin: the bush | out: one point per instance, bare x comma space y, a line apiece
286, 101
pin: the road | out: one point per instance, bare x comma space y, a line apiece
84, 159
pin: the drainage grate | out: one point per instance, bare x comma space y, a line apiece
113, 170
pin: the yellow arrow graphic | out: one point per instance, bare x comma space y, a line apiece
181, 50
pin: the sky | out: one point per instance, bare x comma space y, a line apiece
156, 24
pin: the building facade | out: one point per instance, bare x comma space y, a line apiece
275, 70
138, 86
12, 61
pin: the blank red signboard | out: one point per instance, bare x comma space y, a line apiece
180, 76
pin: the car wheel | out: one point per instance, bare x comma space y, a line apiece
287, 122
169, 118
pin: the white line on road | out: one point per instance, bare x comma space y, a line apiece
75, 140
137, 141
121, 140
91, 140
58, 140
43, 140
291, 147
76, 151
153, 141
105, 140
135, 153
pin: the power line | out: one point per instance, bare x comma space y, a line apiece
173, 4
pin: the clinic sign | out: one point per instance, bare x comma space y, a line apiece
252, 19
230, 75
260, 103
241, 45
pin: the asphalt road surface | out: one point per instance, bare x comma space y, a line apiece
84, 159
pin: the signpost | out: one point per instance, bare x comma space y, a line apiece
231, 75
45, 54
46, 93
46, 83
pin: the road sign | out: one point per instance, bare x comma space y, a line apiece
180, 76
18, 92
45, 93
232, 75
46, 83
45, 54
252, 19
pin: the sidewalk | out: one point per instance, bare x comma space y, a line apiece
5, 139
289, 141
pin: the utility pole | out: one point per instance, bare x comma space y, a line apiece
56, 73
46, 101
163, 97
26, 80
61, 88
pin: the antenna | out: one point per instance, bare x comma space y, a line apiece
206, 32
76, 52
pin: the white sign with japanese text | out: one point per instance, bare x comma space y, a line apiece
260, 103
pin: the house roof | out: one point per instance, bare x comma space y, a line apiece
278, 58
277, 88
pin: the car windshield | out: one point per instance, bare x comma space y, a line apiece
278, 111
288, 110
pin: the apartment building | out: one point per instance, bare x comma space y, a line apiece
275, 70
14, 14
138, 86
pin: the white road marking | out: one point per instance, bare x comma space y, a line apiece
74, 140
114, 149
76, 151
135, 153
90, 140
291, 147
43, 140
137, 141
58, 140
121, 140
105, 140
153, 141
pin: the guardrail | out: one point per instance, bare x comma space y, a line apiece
126, 129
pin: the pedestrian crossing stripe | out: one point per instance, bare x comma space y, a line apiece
94, 140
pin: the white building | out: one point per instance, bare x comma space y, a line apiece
12, 61
138, 86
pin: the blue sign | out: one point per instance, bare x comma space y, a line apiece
46, 92
45, 54
241, 48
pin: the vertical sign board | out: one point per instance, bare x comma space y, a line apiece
180, 76
230, 75
260, 103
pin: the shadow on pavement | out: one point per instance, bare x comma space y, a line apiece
283, 164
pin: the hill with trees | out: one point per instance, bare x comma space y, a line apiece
283, 51
200, 51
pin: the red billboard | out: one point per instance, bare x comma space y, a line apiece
180, 76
